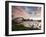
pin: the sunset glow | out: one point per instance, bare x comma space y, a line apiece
26, 12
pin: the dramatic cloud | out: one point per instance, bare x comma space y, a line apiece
26, 11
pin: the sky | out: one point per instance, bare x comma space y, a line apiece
26, 11
33, 10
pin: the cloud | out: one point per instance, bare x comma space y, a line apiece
26, 11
